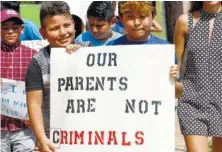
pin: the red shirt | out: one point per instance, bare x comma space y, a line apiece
14, 64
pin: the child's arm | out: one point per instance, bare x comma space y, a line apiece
178, 89
34, 94
34, 102
174, 72
181, 31
156, 27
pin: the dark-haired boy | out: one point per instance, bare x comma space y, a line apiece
57, 27
100, 15
16, 136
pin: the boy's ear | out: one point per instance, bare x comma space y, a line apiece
113, 21
42, 32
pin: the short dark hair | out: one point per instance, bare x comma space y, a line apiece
79, 25
15, 5
196, 5
51, 8
102, 10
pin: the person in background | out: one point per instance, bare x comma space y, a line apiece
31, 31
16, 135
101, 18
79, 25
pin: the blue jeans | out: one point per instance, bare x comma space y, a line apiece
22, 140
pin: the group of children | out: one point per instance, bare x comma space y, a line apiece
57, 26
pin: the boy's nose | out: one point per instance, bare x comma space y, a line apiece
10, 30
62, 31
94, 29
137, 21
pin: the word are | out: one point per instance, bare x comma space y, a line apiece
82, 106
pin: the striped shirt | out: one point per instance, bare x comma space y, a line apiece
14, 63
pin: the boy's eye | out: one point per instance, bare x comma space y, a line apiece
99, 26
15, 27
142, 16
129, 16
5, 28
67, 25
54, 28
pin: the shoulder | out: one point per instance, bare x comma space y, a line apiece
29, 23
82, 44
118, 41
41, 53
118, 35
182, 23
182, 20
157, 40
84, 36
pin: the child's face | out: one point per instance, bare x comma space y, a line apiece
10, 32
137, 25
99, 29
58, 30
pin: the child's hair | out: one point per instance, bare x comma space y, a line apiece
145, 7
15, 21
15, 5
51, 8
196, 5
101, 10
79, 25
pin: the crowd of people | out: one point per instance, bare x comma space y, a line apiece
197, 74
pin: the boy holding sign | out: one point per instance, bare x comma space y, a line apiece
57, 27
15, 134
137, 18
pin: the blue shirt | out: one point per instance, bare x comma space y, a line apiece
118, 27
124, 41
31, 31
152, 40
88, 37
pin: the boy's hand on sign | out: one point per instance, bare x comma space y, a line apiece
174, 72
46, 146
27, 122
72, 48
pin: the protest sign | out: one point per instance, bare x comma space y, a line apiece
13, 99
116, 98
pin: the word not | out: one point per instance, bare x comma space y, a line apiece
142, 105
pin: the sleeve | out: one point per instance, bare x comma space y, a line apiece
33, 32
33, 77
110, 43
79, 38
